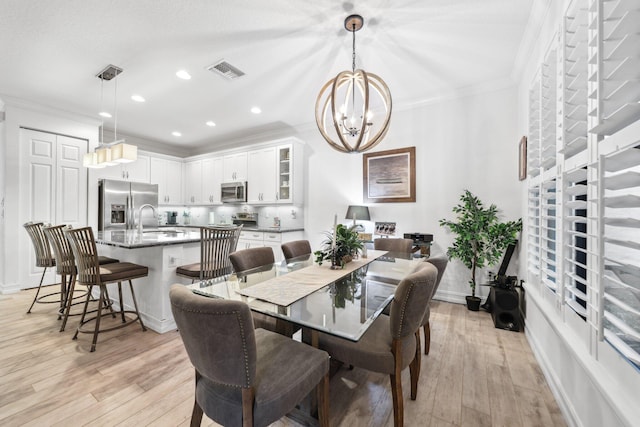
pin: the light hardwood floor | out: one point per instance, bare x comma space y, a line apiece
475, 375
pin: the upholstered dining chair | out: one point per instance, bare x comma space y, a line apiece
245, 376
391, 342
250, 259
91, 273
216, 243
247, 259
440, 262
295, 249
66, 265
44, 258
393, 245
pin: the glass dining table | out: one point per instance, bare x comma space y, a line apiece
346, 307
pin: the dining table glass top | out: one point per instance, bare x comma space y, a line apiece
346, 307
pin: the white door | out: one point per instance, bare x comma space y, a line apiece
55, 190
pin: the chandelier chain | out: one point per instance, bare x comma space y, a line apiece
353, 56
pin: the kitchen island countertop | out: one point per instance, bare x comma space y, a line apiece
166, 235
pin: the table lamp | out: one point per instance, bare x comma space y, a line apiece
358, 212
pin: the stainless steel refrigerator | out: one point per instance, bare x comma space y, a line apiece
119, 203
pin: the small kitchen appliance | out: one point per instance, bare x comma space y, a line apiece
172, 217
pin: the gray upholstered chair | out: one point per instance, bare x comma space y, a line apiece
216, 243
393, 245
392, 342
251, 259
245, 376
91, 273
247, 259
295, 249
440, 263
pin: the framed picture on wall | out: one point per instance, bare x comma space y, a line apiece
522, 159
389, 176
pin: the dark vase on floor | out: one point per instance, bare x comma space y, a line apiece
473, 303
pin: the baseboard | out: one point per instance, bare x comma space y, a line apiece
9, 288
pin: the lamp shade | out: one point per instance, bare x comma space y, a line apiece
358, 212
124, 153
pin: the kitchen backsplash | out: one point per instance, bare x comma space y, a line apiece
268, 216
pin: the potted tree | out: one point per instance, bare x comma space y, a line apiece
480, 237
346, 248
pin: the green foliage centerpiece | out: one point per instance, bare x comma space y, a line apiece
340, 247
480, 237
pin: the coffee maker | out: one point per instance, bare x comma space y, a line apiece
172, 217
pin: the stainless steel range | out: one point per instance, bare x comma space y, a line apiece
248, 219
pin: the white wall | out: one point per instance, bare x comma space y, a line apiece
20, 114
470, 141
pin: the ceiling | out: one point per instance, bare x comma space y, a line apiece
51, 52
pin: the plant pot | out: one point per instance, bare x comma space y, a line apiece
347, 258
473, 303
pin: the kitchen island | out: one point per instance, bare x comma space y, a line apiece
161, 250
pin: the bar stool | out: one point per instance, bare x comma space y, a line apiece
45, 259
91, 273
216, 243
66, 265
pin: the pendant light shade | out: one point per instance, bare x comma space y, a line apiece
124, 153
353, 110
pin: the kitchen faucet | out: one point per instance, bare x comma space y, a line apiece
155, 214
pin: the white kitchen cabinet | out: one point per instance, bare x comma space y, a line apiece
136, 171
212, 171
235, 167
167, 174
284, 174
255, 239
262, 176
193, 182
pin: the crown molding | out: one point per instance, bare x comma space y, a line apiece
7, 101
540, 10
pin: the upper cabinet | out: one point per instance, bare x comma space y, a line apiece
234, 167
167, 174
262, 176
137, 171
211, 180
275, 174
193, 182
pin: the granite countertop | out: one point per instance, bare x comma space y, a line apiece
165, 235
131, 239
245, 228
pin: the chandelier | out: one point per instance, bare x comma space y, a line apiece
111, 153
353, 110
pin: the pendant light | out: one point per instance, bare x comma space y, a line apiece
353, 110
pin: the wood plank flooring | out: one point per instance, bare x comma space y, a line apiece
476, 375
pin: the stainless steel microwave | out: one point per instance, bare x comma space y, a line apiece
233, 192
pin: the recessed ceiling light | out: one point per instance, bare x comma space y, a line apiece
176, 133
137, 98
210, 123
104, 114
256, 110
183, 74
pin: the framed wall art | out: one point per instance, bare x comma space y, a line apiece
389, 176
522, 159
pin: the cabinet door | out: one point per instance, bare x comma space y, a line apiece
193, 182
235, 167
285, 174
173, 182
261, 176
158, 176
211, 180
137, 171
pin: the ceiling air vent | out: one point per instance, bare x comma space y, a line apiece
226, 70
